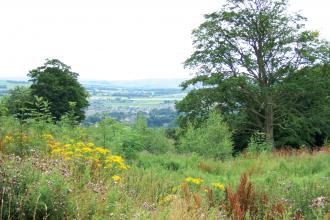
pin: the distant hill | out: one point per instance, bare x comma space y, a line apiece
135, 84
139, 84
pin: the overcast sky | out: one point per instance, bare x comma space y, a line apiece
112, 40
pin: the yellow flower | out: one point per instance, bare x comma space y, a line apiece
48, 136
67, 145
196, 181
57, 150
87, 149
8, 139
80, 144
78, 155
101, 150
114, 159
117, 159
123, 167
116, 178
88, 153
218, 186
68, 154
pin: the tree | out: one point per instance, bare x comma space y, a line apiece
56, 83
249, 47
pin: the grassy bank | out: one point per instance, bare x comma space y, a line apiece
165, 187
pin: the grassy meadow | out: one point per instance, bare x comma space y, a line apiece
62, 171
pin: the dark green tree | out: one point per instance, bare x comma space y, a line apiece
303, 107
56, 83
241, 53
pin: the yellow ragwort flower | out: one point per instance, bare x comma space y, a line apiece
218, 186
196, 181
102, 150
8, 139
87, 149
116, 178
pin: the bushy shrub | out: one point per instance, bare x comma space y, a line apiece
153, 140
259, 143
212, 139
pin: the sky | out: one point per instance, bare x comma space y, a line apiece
114, 40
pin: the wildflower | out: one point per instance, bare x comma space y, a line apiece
68, 153
319, 202
67, 145
80, 144
101, 150
57, 150
218, 186
123, 167
88, 153
196, 181
116, 178
87, 150
114, 159
8, 139
48, 136
117, 159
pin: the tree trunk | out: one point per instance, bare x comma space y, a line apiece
269, 117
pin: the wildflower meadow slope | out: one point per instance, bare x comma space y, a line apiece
70, 172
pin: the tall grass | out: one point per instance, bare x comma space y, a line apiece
36, 185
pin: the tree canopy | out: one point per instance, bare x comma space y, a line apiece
244, 55
56, 83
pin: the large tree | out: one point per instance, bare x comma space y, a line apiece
56, 83
243, 51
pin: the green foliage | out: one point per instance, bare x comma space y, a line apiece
164, 117
57, 84
41, 110
212, 138
3, 107
129, 140
19, 102
152, 139
131, 145
70, 117
304, 107
259, 143
245, 57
